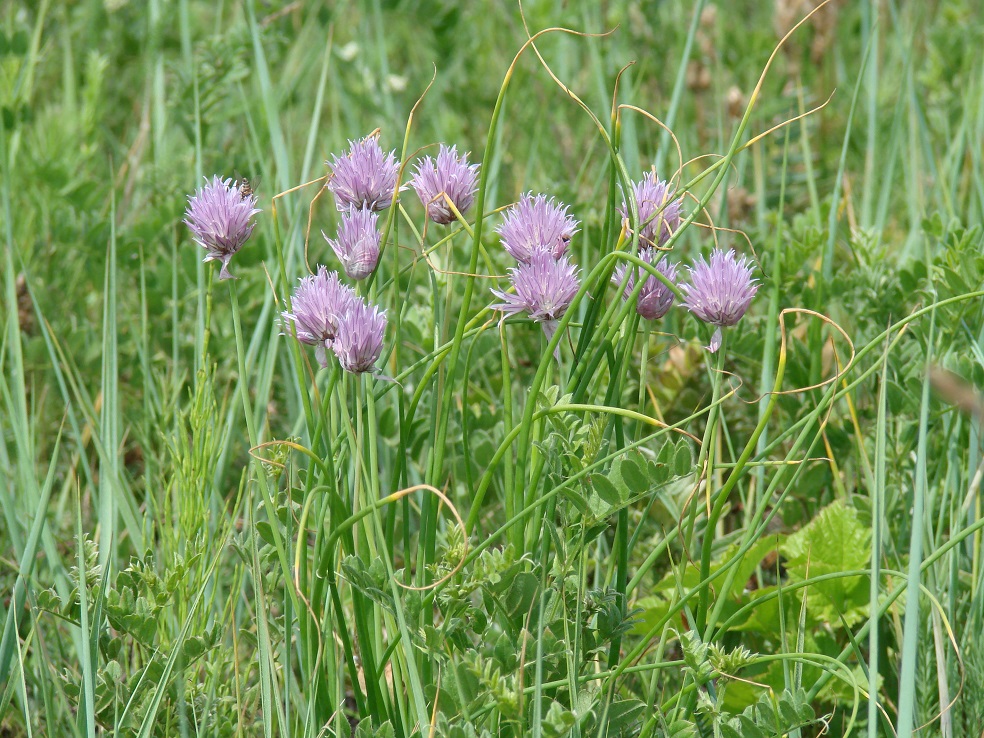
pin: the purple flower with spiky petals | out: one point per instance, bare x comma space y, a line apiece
221, 219
536, 224
659, 212
655, 298
720, 290
365, 177
449, 175
319, 302
359, 340
357, 245
544, 288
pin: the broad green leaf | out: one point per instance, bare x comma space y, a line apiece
834, 541
633, 475
623, 717
520, 595
606, 490
683, 460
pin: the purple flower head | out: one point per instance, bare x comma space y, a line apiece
658, 211
536, 224
655, 298
220, 218
720, 290
357, 245
364, 178
544, 287
319, 302
359, 340
450, 175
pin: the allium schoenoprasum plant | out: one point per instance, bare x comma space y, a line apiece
615, 399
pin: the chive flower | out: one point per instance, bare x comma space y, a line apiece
319, 302
449, 175
359, 340
363, 178
220, 217
659, 212
544, 288
536, 224
357, 244
655, 298
720, 290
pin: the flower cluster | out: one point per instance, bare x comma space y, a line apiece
536, 224
544, 288
659, 216
363, 181
329, 315
220, 216
720, 291
655, 298
449, 177
536, 232
659, 211
365, 177
357, 244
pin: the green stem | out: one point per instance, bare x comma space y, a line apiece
706, 455
268, 502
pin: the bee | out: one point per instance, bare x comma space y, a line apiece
246, 187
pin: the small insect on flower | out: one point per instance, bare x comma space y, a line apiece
319, 302
544, 288
449, 175
659, 212
357, 245
245, 189
720, 290
359, 340
655, 298
221, 220
536, 224
363, 178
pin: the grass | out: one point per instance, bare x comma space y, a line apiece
205, 533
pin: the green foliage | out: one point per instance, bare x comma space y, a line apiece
771, 715
239, 542
834, 541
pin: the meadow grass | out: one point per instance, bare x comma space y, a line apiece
604, 530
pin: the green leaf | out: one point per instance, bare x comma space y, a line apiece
834, 541
683, 460
519, 597
193, 648
659, 472
606, 490
682, 729
365, 729
623, 717
558, 721
265, 531
633, 475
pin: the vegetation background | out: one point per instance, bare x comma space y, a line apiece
159, 580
